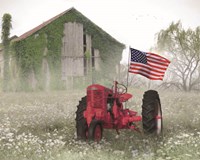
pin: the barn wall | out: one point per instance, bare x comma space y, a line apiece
32, 79
97, 59
88, 44
46, 73
72, 50
78, 55
1, 63
88, 50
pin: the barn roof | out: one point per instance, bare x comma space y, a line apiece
34, 30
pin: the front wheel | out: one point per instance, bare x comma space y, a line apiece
95, 131
152, 113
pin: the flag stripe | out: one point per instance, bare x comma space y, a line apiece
155, 55
149, 65
146, 75
140, 69
153, 65
147, 68
156, 62
157, 59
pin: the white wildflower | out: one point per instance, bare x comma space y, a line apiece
10, 140
134, 153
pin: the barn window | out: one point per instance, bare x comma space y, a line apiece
93, 58
85, 65
36, 35
84, 51
84, 39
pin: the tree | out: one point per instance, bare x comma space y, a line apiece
6, 26
184, 47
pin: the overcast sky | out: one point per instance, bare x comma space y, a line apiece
132, 22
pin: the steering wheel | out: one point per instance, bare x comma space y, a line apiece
121, 89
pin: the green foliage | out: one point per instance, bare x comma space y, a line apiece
87, 54
30, 51
6, 25
29, 55
183, 46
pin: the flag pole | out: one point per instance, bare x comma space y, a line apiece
128, 65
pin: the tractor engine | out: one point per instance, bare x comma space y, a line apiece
97, 97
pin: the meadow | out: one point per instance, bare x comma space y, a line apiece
41, 126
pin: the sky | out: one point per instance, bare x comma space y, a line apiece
132, 22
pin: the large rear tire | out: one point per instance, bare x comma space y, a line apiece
152, 113
81, 123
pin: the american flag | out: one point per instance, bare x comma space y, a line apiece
149, 65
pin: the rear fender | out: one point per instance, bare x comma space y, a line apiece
125, 97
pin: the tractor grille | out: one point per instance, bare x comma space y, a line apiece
96, 98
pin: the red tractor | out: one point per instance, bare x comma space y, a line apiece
103, 108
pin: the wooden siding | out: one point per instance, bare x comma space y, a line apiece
97, 59
75, 45
89, 51
32, 79
1, 63
72, 50
46, 73
88, 44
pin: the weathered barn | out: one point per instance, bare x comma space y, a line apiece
67, 50
1, 62
12, 69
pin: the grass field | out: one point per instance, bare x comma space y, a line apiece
41, 125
